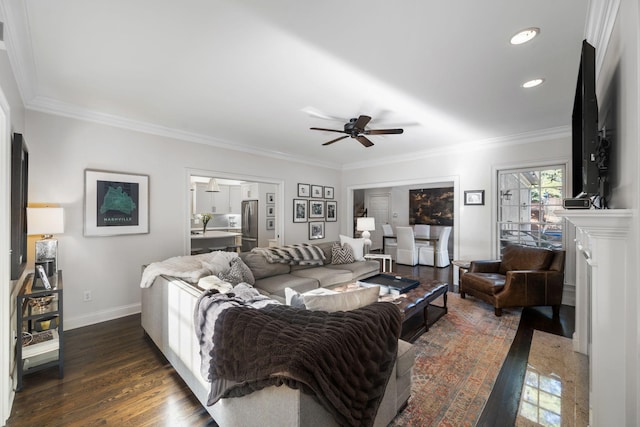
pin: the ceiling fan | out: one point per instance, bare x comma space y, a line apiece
356, 129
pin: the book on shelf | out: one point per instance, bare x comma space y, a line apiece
40, 342
43, 277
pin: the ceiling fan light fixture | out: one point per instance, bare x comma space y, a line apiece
532, 83
525, 35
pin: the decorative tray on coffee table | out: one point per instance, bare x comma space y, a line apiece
393, 283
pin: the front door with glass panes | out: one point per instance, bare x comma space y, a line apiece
527, 202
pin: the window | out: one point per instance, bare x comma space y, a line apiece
527, 202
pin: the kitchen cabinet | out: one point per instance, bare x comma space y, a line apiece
220, 200
203, 199
249, 191
235, 198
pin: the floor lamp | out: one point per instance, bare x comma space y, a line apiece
366, 225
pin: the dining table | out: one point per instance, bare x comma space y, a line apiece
433, 241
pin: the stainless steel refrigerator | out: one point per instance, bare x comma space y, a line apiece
249, 225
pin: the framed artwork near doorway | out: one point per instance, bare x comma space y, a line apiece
300, 213
474, 197
331, 211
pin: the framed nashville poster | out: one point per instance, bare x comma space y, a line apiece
115, 203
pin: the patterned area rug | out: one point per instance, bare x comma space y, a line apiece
457, 363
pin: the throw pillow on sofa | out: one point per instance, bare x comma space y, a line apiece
341, 254
356, 244
238, 273
336, 301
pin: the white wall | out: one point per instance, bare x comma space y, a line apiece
618, 91
470, 169
110, 267
12, 106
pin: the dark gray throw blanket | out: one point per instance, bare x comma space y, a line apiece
343, 359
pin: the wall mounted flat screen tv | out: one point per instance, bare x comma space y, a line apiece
585, 136
19, 186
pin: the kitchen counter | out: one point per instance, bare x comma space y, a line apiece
199, 229
215, 234
215, 240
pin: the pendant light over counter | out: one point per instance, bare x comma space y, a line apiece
213, 186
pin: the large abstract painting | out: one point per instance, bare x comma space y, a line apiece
432, 206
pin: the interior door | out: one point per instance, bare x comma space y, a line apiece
378, 207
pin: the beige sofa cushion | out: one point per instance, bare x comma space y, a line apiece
261, 268
324, 275
275, 285
342, 301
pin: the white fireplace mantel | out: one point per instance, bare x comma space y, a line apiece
602, 312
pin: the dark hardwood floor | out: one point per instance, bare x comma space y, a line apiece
114, 375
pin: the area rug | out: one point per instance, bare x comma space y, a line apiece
457, 362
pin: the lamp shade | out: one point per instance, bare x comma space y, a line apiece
366, 224
45, 221
213, 186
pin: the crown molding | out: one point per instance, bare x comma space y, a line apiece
18, 44
59, 108
489, 143
601, 18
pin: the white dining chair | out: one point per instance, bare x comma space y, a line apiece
422, 230
407, 252
390, 245
441, 248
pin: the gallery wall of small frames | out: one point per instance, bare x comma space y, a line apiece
315, 206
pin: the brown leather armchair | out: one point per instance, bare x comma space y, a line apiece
526, 276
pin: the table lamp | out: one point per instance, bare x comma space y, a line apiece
47, 222
366, 224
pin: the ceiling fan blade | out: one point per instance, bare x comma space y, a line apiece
364, 141
334, 140
314, 112
382, 131
328, 130
362, 122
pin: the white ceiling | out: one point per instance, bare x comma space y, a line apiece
242, 73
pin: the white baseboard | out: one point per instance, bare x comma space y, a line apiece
101, 316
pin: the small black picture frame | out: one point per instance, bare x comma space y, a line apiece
300, 210
474, 197
328, 192
331, 211
304, 190
316, 230
317, 191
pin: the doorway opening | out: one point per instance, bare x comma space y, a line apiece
391, 203
221, 199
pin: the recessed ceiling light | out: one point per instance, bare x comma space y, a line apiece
525, 35
532, 83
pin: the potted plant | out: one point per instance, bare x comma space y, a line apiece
206, 217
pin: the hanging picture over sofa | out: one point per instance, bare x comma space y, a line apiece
432, 206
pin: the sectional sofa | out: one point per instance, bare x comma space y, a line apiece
272, 279
168, 319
